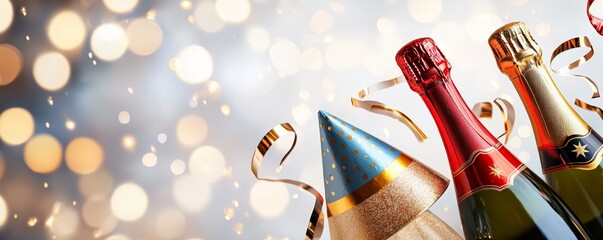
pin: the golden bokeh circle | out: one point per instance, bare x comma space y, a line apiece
84, 155
129, 202
16, 126
194, 64
120, 6
6, 15
51, 71
207, 163
191, 130
11, 63
43, 153
4, 211
66, 30
145, 36
109, 42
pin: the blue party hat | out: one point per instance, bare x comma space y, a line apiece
374, 190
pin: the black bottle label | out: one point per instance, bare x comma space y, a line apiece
578, 151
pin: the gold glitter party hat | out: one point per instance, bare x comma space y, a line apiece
374, 191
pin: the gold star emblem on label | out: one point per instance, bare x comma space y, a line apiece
494, 170
580, 150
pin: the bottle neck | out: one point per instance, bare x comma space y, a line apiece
462, 133
552, 117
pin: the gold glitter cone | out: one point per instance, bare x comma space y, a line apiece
374, 191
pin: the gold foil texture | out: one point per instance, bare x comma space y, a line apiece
393, 207
514, 49
520, 58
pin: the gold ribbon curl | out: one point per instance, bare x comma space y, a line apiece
316, 223
484, 110
573, 43
382, 109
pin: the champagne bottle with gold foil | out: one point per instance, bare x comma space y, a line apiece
570, 150
498, 196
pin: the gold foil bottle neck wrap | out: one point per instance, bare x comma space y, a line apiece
514, 48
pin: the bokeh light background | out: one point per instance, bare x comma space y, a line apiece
137, 119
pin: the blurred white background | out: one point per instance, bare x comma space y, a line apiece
137, 119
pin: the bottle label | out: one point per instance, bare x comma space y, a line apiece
578, 151
493, 168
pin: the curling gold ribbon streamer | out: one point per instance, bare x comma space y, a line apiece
596, 22
484, 110
578, 42
589, 107
382, 109
316, 222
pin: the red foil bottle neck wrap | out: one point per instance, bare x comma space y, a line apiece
423, 64
477, 159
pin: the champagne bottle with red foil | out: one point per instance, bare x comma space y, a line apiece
570, 150
498, 196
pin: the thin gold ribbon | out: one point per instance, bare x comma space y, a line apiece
316, 222
382, 109
572, 43
484, 110
589, 107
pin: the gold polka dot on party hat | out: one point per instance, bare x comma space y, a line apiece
330, 128
373, 164
344, 167
333, 165
355, 151
332, 193
349, 137
356, 169
364, 176
322, 125
343, 145
344, 158
340, 133
332, 178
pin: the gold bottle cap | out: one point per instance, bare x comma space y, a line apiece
513, 46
